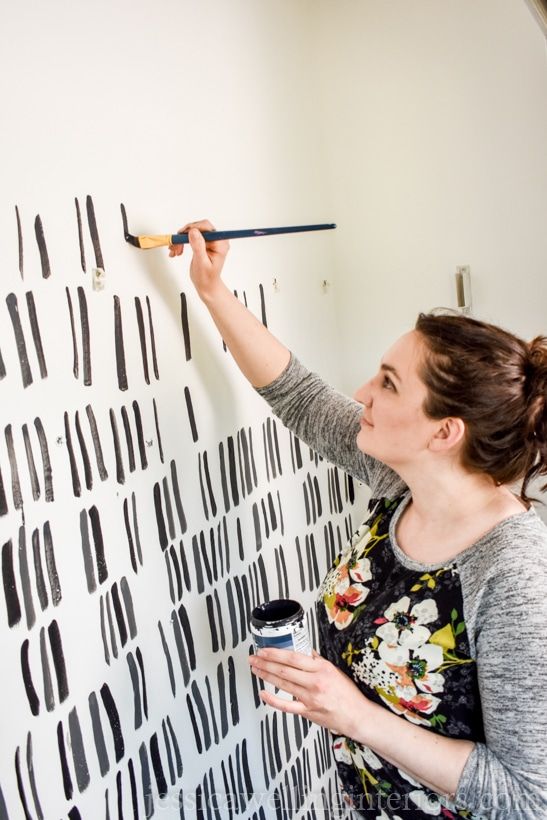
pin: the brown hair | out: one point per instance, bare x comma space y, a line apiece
497, 384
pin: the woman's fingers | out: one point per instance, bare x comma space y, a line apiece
201, 225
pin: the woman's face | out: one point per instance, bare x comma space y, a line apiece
394, 427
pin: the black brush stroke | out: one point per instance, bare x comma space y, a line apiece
78, 752
129, 610
140, 435
266, 461
265, 519
246, 460
209, 485
176, 748
170, 670
111, 631
168, 508
46, 463
241, 604
263, 578
36, 337
275, 744
58, 660
89, 568
202, 711
136, 528
98, 735
122, 629
13, 310
276, 445
197, 565
120, 474
92, 222
75, 362
240, 463
119, 792
268, 743
185, 326
20, 787
202, 488
76, 486
129, 535
186, 628
234, 706
257, 530
221, 685
311, 496
263, 750
199, 746
67, 780
286, 737
152, 339
146, 782
25, 580
300, 565
281, 521
114, 718
232, 614
219, 543
32, 778
119, 345
103, 633
233, 472
178, 500
314, 563
128, 440
102, 569
240, 787
133, 785
183, 659
246, 598
262, 306
184, 564
137, 706
167, 744
339, 502
142, 339
309, 562
279, 579
2, 367
214, 553
252, 455
160, 521
80, 234
205, 557
234, 793
158, 434
32, 695
215, 646
48, 687
103, 474
223, 480
220, 620
271, 510
143, 681
306, 504
239, 543
20, 243
191, 416
42, 247
54, 585
161, 782
174, 561
38, 570
167, 556
230, 801
317, 497
245, 766
216, 737
88, 475
13, 607
86, 339
269, 437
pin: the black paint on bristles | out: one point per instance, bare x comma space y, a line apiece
133, 240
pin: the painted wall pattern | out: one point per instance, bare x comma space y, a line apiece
130, 562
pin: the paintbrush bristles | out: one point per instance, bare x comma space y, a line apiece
146, 242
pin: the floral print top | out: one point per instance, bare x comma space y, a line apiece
401, 636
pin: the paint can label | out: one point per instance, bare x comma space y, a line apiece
281, 624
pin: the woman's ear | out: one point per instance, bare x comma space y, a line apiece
449, 434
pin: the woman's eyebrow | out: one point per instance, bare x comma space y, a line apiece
390, 369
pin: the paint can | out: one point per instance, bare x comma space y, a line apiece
281, 624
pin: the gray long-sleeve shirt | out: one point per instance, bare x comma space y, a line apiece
502, 587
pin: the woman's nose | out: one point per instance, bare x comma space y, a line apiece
363, 395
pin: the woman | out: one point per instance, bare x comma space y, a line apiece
433, 619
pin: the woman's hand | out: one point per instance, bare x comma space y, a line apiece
323, 693
208, 257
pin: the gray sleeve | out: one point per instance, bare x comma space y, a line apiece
506, 776
327, 421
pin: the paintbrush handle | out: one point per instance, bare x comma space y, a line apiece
212, 236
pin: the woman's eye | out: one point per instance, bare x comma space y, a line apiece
388, 384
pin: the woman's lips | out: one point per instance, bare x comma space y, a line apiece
365, 423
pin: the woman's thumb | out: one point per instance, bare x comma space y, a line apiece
197, 243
